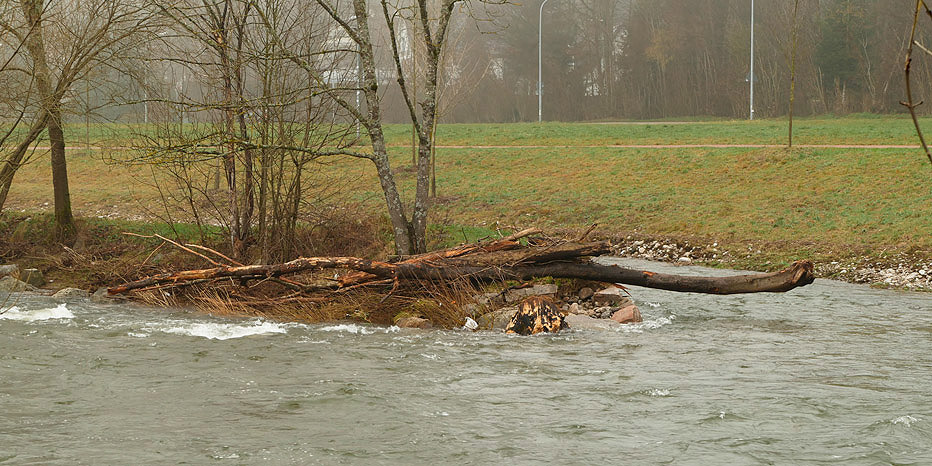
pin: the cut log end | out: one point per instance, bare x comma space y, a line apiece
536, 314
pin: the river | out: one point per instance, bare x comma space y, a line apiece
829, 373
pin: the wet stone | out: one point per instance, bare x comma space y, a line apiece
582, 322
627, 315
9, 284
413, 322
497, 320
9, 269
612, 296
536, 290
71, 293
33, 277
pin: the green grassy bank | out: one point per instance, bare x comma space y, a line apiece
825, 204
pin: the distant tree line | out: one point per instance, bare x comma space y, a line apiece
641, 59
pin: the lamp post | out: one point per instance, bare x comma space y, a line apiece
751, 77
540, 86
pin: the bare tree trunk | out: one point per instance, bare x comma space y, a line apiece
15, 159
480, 265
404, 243
64, 220
51, 106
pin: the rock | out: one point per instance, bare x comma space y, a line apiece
71, 293
585, 293
413, 322
536, 290
685, 259
33, 277
9, 284
9, 269
603, 312
581, 322
536, 314
627, 315
574, 309
497, 320
102, 297
612, 296
490, 298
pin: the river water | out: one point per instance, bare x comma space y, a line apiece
829, 373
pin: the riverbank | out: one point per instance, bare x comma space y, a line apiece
105, 257
862, 215
891, 268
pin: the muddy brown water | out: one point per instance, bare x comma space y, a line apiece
831, 373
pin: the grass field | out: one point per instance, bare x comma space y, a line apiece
858, 129
818, 203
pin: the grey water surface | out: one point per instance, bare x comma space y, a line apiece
831, 373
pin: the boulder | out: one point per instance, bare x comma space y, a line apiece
627, 315
536, 290
71, 293
603, 312
9, 284
33, 277
536, 314
582, 322
490, 298
497, 320
574, 309
612, 296
9, 269
413, 322
102, 297
585, 293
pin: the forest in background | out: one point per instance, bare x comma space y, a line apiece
651, 59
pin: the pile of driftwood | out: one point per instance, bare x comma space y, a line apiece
488, 261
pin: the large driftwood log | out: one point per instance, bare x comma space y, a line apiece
799, 274
499, 260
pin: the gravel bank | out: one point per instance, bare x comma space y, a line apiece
901, 271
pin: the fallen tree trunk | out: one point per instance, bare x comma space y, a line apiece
501, 262
799, 274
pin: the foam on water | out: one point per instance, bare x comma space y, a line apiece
905, 420
225, 331
650, 324
358, 329
59, 312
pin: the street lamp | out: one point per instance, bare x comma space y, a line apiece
540, 86
751, 78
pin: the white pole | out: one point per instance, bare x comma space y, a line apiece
752, 60
358, 86
358, 76
540, 86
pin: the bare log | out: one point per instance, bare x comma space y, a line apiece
375, 268
558, 252
799, 274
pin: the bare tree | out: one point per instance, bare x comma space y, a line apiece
250, 108
920, 8
361, 27
63, 41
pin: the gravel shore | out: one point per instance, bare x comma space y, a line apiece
903, 271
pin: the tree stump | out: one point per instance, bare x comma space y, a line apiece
536, 314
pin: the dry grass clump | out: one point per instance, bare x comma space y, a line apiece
445, 305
